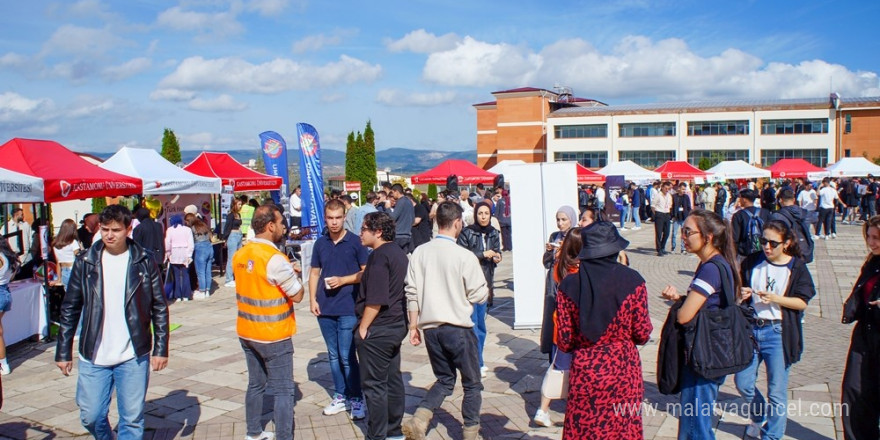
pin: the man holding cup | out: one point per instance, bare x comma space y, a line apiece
338, 260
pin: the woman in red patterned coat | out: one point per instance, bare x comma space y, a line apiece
603, 314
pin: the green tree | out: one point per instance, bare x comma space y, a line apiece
260, 166
704, 164
98, 204
369, 157
351, 156
170, 147
432, 191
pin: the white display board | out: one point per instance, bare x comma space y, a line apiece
537, 191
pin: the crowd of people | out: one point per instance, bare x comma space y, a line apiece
400, 268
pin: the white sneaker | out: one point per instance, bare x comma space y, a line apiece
396, 437
230, 283
358, 411
833, 235
636, 228
336, 406
754, 430
622, 228
200, 295
815, 237
542, 419
4, 369
484, 371
263, 436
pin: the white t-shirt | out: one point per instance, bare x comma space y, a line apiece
113, 345
807, 199
5, 273
68, 253
769, 277
826, 197
295, 205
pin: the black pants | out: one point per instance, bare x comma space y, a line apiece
861, 384
826, 218
661, 230
452, 348
381, 382
506, 238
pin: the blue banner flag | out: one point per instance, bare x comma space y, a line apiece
275, 157
311, 177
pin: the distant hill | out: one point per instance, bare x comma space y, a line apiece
399, 160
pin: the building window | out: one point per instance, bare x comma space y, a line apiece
589, 159
580, 131
647, 129
818, 157
846, 153
648, 159
848, 126
715, 156
794, 126
717, 128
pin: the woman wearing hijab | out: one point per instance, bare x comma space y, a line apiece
485, 242
566, 217
603, 314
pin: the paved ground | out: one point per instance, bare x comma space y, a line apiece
201, 394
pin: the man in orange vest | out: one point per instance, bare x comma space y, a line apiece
267, 286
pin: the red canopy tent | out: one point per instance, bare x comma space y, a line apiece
468, 173
679, 170
231, 172
793, 168
65, 175
585, 175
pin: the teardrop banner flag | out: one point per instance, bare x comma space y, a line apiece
275, 157
311, 178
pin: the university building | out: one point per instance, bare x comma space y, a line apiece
537, 125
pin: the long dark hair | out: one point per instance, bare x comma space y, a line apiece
710, 223
568, 252
782, 229
11, 256
66, 234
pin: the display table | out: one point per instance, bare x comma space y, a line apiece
28, 314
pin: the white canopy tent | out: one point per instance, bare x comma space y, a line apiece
503, 167
630, 171
736, 169
853, 167
159, 175
20, 188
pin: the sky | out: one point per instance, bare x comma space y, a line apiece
96, 76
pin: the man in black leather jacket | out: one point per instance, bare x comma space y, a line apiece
115, 286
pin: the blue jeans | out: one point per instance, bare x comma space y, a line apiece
94, 387
269, 366
676, 228
479, 319
202, 258
698, 396
624, 215
65, 276
769, 339
636, 215
338, 332
233, 243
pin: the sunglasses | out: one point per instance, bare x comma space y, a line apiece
686, 232
773, 244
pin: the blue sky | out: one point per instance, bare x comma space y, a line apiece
97, 76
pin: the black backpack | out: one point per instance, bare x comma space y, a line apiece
801, 233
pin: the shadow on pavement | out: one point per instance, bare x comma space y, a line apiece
21, 430
177, 408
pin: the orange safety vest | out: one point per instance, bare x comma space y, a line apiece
265, 313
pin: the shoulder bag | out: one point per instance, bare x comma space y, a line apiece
720, 341
555, 384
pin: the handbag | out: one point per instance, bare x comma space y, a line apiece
168, 283
720, 341
555, 384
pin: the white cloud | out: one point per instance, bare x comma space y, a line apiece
17, 108
639, 67
219, 24
83, 42
278, 75
91, 9
172, 95
267, 7
13, 60
315, 42
480, 64
126, 70
222, 103
422, 41
398, 98
89, 107
332, 97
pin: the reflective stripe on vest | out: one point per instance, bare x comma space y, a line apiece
265, 313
